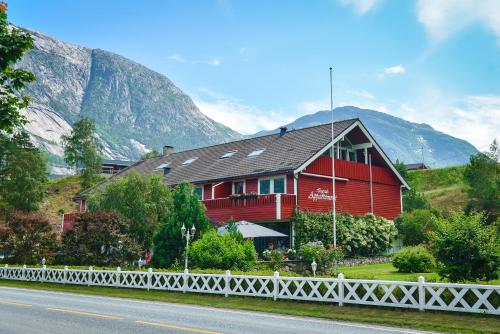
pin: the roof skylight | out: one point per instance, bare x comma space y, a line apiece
228, 154
256, 152
162, 166
190, 160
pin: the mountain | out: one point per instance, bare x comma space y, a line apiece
401, 140
135, 109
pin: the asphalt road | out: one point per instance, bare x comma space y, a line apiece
25, 311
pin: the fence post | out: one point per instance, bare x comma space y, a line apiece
276, 284
44, 269
89, 276
185, 277
341, 289
23, 275
227, 287
65, 274
117, 282
421, 293
150, 277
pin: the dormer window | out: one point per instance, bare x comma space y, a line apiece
228, 154
162, 166
189, 161
256, 152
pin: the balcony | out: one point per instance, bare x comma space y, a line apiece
274, 207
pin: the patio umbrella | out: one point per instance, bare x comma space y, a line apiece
251, 230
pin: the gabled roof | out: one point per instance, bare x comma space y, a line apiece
289, 152
281, 154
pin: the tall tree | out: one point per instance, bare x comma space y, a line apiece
144, 200
23, 173
483, 177
150, 154
188, 211
82, 151
14, 43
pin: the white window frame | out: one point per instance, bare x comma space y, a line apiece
244, 186
202, 187
271, 186
256, 152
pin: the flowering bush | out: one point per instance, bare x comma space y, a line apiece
275, 256
359, 236
324, 257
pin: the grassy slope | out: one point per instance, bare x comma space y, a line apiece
436, 321
445, 188
59, 195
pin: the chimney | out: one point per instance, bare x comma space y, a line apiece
283, 130
167, 150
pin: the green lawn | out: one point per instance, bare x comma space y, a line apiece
435, 321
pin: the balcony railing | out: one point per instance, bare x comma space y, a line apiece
260, 208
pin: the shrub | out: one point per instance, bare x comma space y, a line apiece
324, 257
222, 252
276, 258
100, 238
414, 227
414, 259
28, 237
359, 236
466, 247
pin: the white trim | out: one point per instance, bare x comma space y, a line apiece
244, 186
271, 186
362, 146
324, 149
401, 197
202, 187
324, 176
339, 137
278, 206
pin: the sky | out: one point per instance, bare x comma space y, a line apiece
256, 65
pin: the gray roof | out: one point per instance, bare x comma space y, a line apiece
117, 162
282, 154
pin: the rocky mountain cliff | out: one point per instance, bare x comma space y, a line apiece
401, 140
135, 109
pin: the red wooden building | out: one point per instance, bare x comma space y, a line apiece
264, 179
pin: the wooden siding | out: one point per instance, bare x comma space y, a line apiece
223, 190
352, 171
207, 191
252, 186
290, 184
353, 196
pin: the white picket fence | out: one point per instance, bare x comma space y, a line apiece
420, 295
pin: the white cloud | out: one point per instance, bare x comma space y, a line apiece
180, 59
396, 69
238, 116
365, 94
443, 18
360, 6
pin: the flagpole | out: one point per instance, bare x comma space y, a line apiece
334, 195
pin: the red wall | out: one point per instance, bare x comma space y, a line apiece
289, 184
223, 190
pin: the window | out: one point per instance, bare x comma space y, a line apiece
190, 160
272, 186
239, 187
265, 186
279, 185
228, 154
198, 191
256, 152
352, 156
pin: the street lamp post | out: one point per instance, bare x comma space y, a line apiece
314, 266
188, 234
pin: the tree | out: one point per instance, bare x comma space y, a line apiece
14, 43
144, 200
82, 151
100, 238
466, 247
415, 227
150, 154
187, 210
483, 177
28, 237
23, 173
